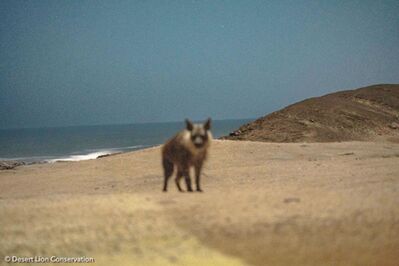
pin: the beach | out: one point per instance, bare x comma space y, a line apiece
263, 204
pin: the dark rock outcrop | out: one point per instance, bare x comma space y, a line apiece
7, 165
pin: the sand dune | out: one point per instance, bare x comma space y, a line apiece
264, 204
367, 113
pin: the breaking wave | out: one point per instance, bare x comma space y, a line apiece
88, 154
94, 154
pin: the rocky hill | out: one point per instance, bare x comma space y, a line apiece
362, 114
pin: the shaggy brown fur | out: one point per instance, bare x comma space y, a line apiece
186, 149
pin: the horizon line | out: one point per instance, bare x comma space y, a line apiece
117, 124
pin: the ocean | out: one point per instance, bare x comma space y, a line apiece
77, 143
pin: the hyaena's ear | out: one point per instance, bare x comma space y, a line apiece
207, 124
189, 125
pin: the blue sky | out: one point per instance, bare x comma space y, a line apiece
104, 62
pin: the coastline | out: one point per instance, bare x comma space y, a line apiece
11, 163
77, 143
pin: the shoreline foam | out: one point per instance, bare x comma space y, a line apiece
82, 156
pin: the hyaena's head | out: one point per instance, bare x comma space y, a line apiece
200, 134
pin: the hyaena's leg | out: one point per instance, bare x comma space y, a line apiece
168, 171
186, 174
179, 175
198, 169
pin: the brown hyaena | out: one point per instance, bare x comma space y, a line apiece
188, 148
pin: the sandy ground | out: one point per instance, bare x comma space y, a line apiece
264, 204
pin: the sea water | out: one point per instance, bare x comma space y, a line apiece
77, 143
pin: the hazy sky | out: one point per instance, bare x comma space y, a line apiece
100, 62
